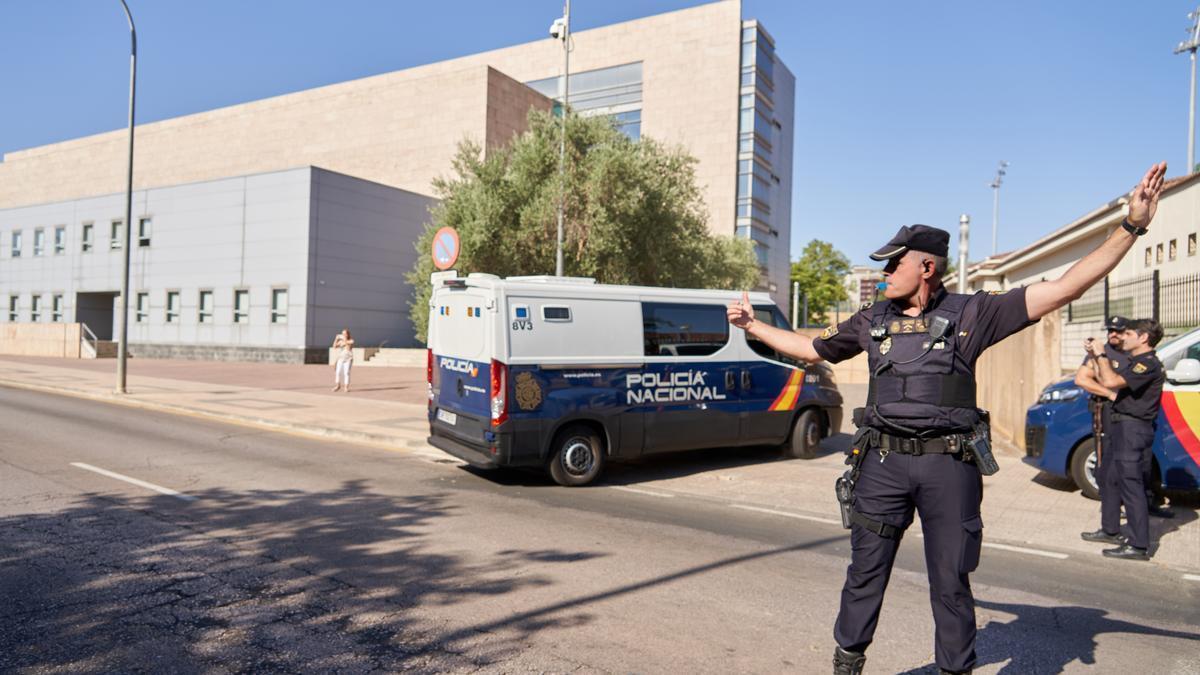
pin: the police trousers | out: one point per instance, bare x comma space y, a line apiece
946, 492
1122, 480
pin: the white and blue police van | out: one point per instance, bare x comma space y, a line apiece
566, 374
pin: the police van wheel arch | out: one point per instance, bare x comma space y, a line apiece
807, 432
1082, 468
577, 455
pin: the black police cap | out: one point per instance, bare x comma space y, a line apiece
915, 238
1116, 323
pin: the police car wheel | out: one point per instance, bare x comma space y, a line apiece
578, 456
1083, 469
806, 435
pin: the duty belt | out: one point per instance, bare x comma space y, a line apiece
951, 444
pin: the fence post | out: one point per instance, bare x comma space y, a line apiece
1106, 299
1154, 291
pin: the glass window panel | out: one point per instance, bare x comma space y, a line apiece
241, 306
57, 309
279, 305
16, 244
747, 79
87, 237
206, 307
747, 53
683, 330
35, 308
39, 241
116, 238
748, 34
144, 227
13, 307
172, 306
60, 240
143, 308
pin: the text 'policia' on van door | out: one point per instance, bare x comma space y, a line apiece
460, 369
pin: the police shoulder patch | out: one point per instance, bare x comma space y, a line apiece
1139, 368
829, 332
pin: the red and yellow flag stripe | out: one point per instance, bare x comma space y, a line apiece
1182, 410
791, 393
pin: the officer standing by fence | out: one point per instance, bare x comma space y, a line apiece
1132, 419
919, 444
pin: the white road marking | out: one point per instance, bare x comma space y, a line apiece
773, 512
1192, 577
141, 483
1030, 551
642, 492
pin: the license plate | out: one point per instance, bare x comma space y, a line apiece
447, 417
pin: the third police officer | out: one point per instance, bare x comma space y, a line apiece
922, 441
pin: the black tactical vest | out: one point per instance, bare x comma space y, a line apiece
934, 392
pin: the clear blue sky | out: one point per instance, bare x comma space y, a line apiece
902, 108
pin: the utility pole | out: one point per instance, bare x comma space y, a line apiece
996, 183
561, 29
964, 231
123, 343
795, 305
1190, 45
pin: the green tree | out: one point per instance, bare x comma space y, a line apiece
634, 213
820, 272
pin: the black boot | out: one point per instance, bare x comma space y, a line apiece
847, 663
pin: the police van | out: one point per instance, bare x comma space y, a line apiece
567, 374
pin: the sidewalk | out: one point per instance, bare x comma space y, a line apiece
387, 408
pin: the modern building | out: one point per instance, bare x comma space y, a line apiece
702, 78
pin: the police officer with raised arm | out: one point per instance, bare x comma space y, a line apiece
922, 442
1132, 419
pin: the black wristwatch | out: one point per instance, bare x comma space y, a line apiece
1135, 231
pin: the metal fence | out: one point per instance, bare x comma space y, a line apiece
1174, 302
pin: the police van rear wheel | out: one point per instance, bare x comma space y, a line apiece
578, 456
806, 435
1083, 469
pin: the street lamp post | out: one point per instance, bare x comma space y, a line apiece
995, 185
1190, 45
561, 29
123, 343
964, 230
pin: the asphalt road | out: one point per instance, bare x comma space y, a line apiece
241, 550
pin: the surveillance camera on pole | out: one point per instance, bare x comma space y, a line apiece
561, 30
558, 28
995, 185
1191, 45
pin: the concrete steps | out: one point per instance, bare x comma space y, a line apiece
374, 357
104, 349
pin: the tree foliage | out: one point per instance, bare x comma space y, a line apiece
633, 213
820, 271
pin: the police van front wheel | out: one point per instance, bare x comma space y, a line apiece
578, 456
806, 435
1083, 468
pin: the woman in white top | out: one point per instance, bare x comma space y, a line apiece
345, 358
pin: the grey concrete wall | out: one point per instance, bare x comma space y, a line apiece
361, 247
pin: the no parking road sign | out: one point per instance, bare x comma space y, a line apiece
445, 248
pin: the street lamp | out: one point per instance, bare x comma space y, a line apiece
964, 231
123, 343
995, 185
561, 30
1190, 45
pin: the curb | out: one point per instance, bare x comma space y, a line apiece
386, 441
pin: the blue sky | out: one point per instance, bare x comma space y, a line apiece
902, 108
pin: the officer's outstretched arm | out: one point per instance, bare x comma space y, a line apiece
1046, 296
795, 345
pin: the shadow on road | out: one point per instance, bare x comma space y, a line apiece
256, 581
1047, 639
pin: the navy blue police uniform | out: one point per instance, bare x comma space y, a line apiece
1118, 359
1133, 419
920, 407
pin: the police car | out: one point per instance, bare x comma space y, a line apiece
1058, 428
567, 374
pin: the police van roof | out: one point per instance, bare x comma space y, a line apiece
574, 285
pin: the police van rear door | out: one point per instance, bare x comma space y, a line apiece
460, 338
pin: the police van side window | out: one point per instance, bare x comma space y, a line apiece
773, 317
683, 330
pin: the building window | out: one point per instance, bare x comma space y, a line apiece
60, 240
143, 308
116, 238
1171, 250
279, 305
206, 307
1158, 254
16, 244
241, 306
1192, 244
172, 306
13, 308
87, 237
35, 308
56, 308
1149, 256
144, 226
39, 242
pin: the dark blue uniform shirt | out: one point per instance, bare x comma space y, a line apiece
1142, 394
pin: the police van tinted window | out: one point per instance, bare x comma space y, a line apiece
773, 317
683, 330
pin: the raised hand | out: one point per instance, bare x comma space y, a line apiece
740, 312
1143, 201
